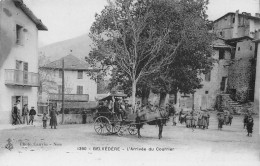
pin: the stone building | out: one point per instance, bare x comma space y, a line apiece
215, 82
234, 73
18, 56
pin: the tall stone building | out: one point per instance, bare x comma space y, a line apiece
234, 73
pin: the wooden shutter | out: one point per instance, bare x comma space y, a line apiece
81, 89
17, 65
13, 100
25, 73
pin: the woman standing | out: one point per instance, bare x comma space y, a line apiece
53, 115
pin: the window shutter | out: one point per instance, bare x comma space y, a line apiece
25, 73
81, 92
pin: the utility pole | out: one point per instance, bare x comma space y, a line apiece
62, 105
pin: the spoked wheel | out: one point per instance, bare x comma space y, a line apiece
100, 125
132, 130
114, 127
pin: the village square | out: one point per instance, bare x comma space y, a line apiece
162, 81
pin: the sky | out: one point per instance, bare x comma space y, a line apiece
67, 19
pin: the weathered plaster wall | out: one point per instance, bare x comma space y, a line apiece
241, 71
10, 52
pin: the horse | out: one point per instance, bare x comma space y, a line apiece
152, 116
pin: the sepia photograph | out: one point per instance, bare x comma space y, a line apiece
129, 82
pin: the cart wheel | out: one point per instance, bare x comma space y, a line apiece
113, 127
120, 133
100, 125
132, 130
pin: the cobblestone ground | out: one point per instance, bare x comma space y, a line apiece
71, 144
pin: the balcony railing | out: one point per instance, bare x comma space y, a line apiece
21, 78
70, 97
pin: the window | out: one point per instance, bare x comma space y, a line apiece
238, 48
233, 19
221, 54
220, 33
206, 92
251, 48
19, 34
80, 74
79, 90
60, 73
207, 76
59, 89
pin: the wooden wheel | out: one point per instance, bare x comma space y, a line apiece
113, 127
100, 125
132, 130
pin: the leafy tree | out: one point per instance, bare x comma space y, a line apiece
152, 42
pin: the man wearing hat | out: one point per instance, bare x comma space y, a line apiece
32, 114
14, 114
25, 113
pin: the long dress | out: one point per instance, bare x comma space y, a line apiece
53, 120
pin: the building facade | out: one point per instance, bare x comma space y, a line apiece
235, 52
79, 89
18, 57
214, 82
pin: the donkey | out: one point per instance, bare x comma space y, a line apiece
151, 116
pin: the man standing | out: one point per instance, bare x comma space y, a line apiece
14, 114
25, 113
220, 120
18, 111
32, 114
249, 125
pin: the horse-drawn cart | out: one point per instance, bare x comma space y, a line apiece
106, 121
110, 121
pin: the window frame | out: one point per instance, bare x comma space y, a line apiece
19, 35
80, 74
79, 89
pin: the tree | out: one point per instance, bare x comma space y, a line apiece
143, 39
47, 78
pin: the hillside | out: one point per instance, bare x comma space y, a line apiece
79, 47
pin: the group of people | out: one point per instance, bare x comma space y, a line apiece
53, 118
117, 106
27, 116
193, 119
19, 118
224, 118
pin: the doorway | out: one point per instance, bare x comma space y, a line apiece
223, 84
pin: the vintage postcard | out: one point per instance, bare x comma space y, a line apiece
129, 82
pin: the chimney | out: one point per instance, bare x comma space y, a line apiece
235, 26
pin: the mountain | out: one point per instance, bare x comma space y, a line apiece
78, 47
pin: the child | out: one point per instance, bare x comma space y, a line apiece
44, 120
249, 127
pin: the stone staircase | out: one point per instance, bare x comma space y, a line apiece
232, 106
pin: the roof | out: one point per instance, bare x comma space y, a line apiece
70, 63
220, 43
232, 13
29, 13
234, 40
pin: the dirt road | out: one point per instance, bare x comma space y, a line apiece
179, 146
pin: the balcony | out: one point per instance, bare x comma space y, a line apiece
21, 78
70, 97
